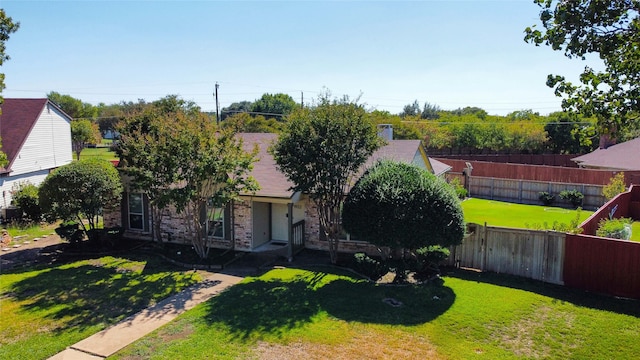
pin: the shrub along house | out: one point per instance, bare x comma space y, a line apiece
269, 220
36, 137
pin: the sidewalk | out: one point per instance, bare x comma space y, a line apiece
116, 337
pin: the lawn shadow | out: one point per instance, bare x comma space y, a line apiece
385, 304
102, 291
275, 306
558, 292
260, 306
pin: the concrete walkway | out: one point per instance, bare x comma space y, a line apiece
116, 337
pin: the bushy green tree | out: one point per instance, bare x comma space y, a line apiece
181, 158
72, 106
401, 206
243, 122
271, 105
213, 170
320, 150
609, 30
7, 27
79, 191
615, 186
83, 132
25, 196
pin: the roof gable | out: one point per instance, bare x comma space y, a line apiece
16, 121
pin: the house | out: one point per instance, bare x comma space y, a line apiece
271, 218
36, 136
622, 156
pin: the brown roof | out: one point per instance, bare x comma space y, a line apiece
16, 121
274, 183
623, 156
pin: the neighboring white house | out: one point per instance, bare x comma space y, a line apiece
36, 136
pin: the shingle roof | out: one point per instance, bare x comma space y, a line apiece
623, 156
16, 121
274, 183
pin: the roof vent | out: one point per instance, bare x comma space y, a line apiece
385, 131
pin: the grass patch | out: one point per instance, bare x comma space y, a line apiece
28, 231
98, 153
45, 310
498, 213
319, 313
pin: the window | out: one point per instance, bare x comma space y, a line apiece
215, 222
136, 211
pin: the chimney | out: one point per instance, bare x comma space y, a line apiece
606, 141
385, 131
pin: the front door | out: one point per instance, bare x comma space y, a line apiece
279, 223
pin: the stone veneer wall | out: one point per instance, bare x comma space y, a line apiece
242, 224
312, 235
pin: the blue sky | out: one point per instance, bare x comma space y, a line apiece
449, 53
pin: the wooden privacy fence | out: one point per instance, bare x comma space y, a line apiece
532, 254
527, 191
608, 266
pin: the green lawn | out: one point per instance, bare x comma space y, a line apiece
44, 310
97, 152
323, 313
498, 213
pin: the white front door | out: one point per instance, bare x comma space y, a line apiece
279, 222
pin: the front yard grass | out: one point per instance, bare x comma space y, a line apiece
44, 310
326, 313
498, 213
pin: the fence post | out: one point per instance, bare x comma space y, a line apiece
484, 248
520, 191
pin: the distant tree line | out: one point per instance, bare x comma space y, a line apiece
468, 130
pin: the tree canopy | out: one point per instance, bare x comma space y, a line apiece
320, 150
72, 106
271, 105
610, 30
83, 132
79, 191
400, 205
7, 27
181, 158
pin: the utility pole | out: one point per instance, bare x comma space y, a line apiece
217, 104
302, 99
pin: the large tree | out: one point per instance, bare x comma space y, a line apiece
403, 207
320, 150
213, 171
72, 106
79, 191
610, 30
274, 105
147, 148
181, 158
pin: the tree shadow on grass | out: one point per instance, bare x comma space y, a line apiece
385, 304
103, 290
558, 292
276, 306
